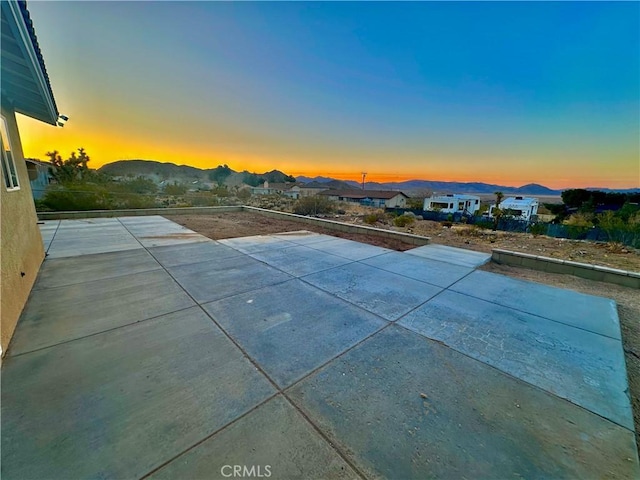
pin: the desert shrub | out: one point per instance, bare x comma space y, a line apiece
313, 205
486, 224
471, 231
579, 220
404, 220
175, 189
202, 199
244, 194
78, 196
135, 185
134, 201
373, 218
223, 191
538, 229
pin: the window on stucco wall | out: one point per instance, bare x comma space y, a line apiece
9, 171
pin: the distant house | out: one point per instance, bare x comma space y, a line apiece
39, 176
520, 208
313, 188
26, 90
453, 203
373, 198
288, 189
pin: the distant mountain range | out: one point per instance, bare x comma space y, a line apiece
442, 187
170, 172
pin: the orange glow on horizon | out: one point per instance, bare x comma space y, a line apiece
106, 144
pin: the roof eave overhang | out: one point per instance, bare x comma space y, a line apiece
15, 13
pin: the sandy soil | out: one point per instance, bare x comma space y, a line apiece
228, 225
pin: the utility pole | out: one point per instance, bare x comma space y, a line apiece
364, 174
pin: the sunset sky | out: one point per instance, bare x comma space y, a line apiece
507, 93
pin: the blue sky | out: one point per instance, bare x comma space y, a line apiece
504, 92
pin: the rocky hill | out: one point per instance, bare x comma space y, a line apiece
171, 173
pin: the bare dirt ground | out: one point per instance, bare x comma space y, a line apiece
229, 225
612, 255
245, 224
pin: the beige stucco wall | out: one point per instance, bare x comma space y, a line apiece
21, 250
396, 202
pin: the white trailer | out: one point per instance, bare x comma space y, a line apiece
521, 208
452, 203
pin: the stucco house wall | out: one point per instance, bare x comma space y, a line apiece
20, 240
399, 201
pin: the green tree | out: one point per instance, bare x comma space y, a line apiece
416, 203
73, 169
220, 174
628, 211
251, 179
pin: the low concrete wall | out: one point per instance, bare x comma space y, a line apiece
343, 227
555, 265
321, 222
136, 212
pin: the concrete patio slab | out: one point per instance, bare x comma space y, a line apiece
48, 231
595, 314
89, 222
403, 406
349, 249
152, 223
383, 293
303, 237
159, 240
76, 246
58, 272
216, 279
586, 368
292, 328
299, 260
257, 243
456, 256
55, 315
121, 403
279, 441
146, 219
423, 269
152, 228
194, 252
90, 231
116, 373
162, 232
